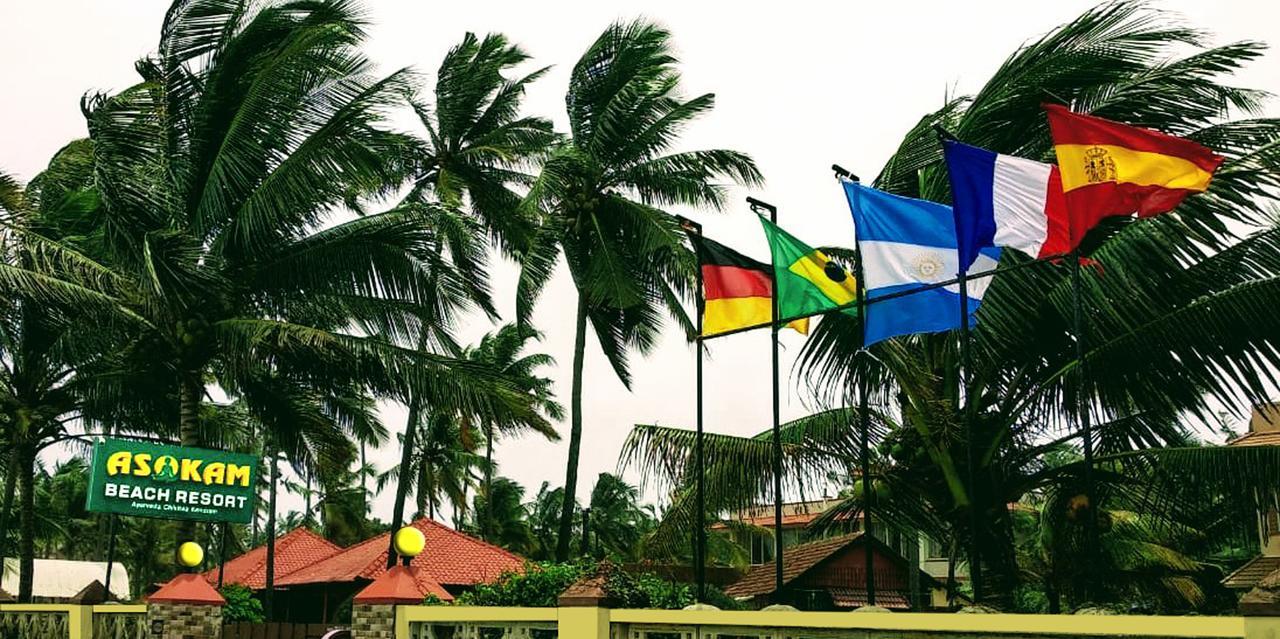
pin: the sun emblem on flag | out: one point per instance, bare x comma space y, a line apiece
928, 266
1098, 165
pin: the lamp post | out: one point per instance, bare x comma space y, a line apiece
408, 542
190, 554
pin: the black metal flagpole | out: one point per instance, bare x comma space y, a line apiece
1082, 408
864, 428
758, 206
966, 365
269, 596
864, 420
222, 554
700, 528
111, 550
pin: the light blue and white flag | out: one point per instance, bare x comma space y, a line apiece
906, 244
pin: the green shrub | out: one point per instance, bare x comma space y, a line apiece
539, 586
242, 605
645, 590
717, 598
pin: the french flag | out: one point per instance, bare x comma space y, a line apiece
1006, 201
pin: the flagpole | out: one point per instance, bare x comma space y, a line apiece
1082, 407
864, 417
757, 206
699, 468
111, 551
966, 364
864, 428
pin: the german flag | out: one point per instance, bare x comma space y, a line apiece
1111, 169
738, 290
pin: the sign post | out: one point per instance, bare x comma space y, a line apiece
145, 479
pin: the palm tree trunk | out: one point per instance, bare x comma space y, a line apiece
364, 479
488, 485
429, 489
422, 491
10, 485
26, 520
402, 481
271, 537
306, 520
575, 433
999, 561
460, 510
190, 390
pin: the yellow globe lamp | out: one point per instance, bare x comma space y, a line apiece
409, 542
190, 554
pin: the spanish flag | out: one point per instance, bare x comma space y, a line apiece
738, 290
1110, 168
809, 283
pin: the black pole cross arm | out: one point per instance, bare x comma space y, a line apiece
943, 133
688, 225
758, 206
842, 172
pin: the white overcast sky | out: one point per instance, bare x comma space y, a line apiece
799, 85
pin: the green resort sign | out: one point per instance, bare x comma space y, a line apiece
171, 482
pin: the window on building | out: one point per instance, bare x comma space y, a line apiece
761, 549
934, 549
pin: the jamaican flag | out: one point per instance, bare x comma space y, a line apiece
809, 283
738, 291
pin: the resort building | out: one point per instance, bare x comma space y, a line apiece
757, 535
831, 574
316, 580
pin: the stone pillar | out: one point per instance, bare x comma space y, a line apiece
185, 608
373, 611
373, 621
584, 607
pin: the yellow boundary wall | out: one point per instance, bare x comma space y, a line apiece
79, 618
595, 623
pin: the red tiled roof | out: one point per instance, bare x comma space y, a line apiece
450, 559
401, 585
1271, 438
857, 597
187, 588
796, 561
766, 521
295, 549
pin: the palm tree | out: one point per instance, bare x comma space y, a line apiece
1174, 321
1147, 562
618, 521
498, 516
443, 465
476, 148
544, 519
600, 195
223, 172
51, 346
500, 352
